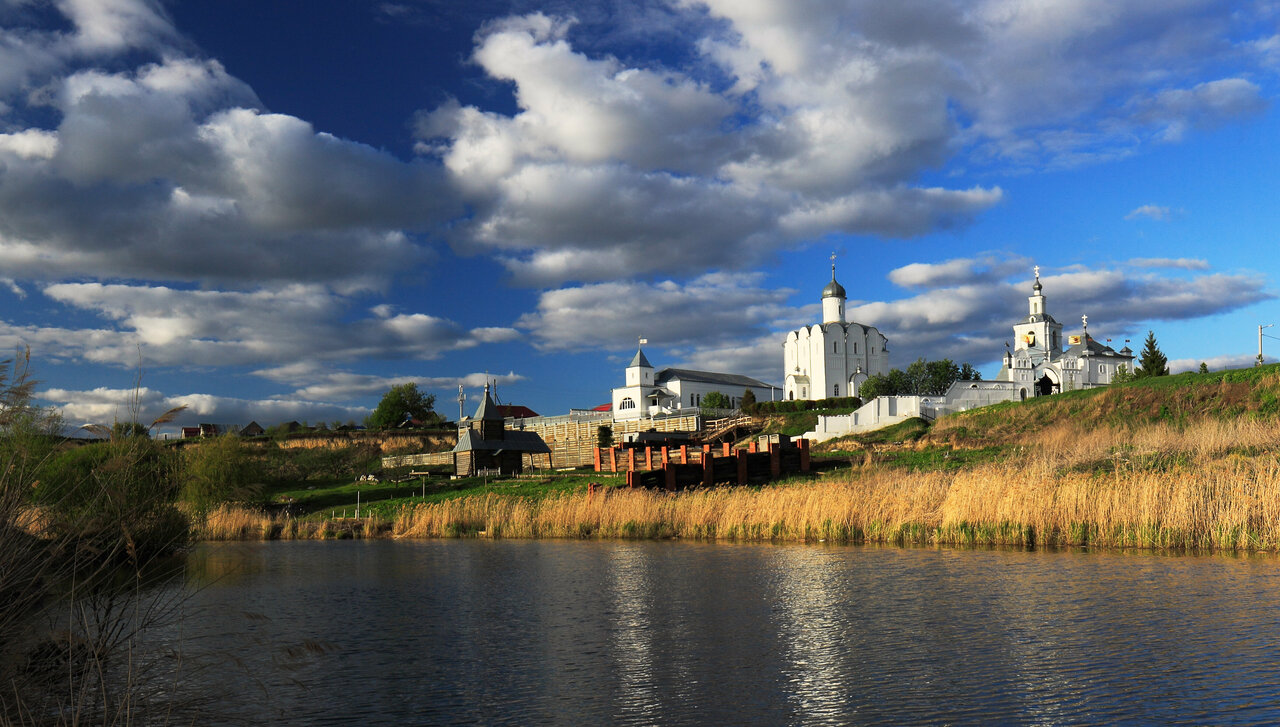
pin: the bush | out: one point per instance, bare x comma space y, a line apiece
217, 470
798, 405
120, 490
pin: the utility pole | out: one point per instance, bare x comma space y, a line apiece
462, 400
1260, 359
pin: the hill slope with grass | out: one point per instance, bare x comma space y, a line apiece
1179, 401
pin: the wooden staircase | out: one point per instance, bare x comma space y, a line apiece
720, 430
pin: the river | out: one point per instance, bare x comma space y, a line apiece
673, 633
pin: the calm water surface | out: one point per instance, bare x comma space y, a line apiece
546, 632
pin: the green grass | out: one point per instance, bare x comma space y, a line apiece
795, 423
1177, 400
322, 497
940, 458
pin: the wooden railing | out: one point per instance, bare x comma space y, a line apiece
673, 468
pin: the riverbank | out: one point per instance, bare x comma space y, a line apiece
1212, 484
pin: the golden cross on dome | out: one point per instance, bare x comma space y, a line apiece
1037, 269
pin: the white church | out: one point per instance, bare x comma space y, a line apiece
834, 357
648, 394
1038, 365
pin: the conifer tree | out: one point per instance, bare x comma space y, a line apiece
1153, 362
1204, 367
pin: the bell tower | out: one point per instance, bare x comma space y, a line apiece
1039, 333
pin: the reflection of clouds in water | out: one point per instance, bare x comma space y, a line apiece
809, 599
630, 596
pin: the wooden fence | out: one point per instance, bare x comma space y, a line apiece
572, 443
674, 468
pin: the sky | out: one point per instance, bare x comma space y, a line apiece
277, 210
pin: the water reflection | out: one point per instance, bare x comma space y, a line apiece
631, 593
466, 632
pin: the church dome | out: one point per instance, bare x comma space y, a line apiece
834, 290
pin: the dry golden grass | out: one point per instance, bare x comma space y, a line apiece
229, 522
1210, 485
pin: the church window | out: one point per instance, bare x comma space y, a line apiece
855, 347
791, 395
835, 347
835, 391
627, 403
804, 393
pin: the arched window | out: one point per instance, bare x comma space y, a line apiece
835, 347
627, 403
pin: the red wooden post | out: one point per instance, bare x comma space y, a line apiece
684, 454
775, 461
613, 459
742, 467
597, 459
753, 447
648, 458
708, 467
804, 455
669, 480
666, 457
631, 459
631, 479
725, 449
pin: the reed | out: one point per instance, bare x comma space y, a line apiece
231, 522
1212, 484
1226, 506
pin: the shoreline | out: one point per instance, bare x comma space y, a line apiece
1231, 506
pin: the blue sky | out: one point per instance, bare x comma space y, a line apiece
277, 210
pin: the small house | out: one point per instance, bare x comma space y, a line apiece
485, 444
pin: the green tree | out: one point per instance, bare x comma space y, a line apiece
969, 373
1123, 374
917, 378
402, 402
1204, 368
715, 400
604, 436
939, 376
876, 385
899, 383
1153, 362
927, 378
748, 403
215, 471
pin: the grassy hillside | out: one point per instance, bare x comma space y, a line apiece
1178, 401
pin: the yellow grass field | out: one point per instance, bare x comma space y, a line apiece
1209, 485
